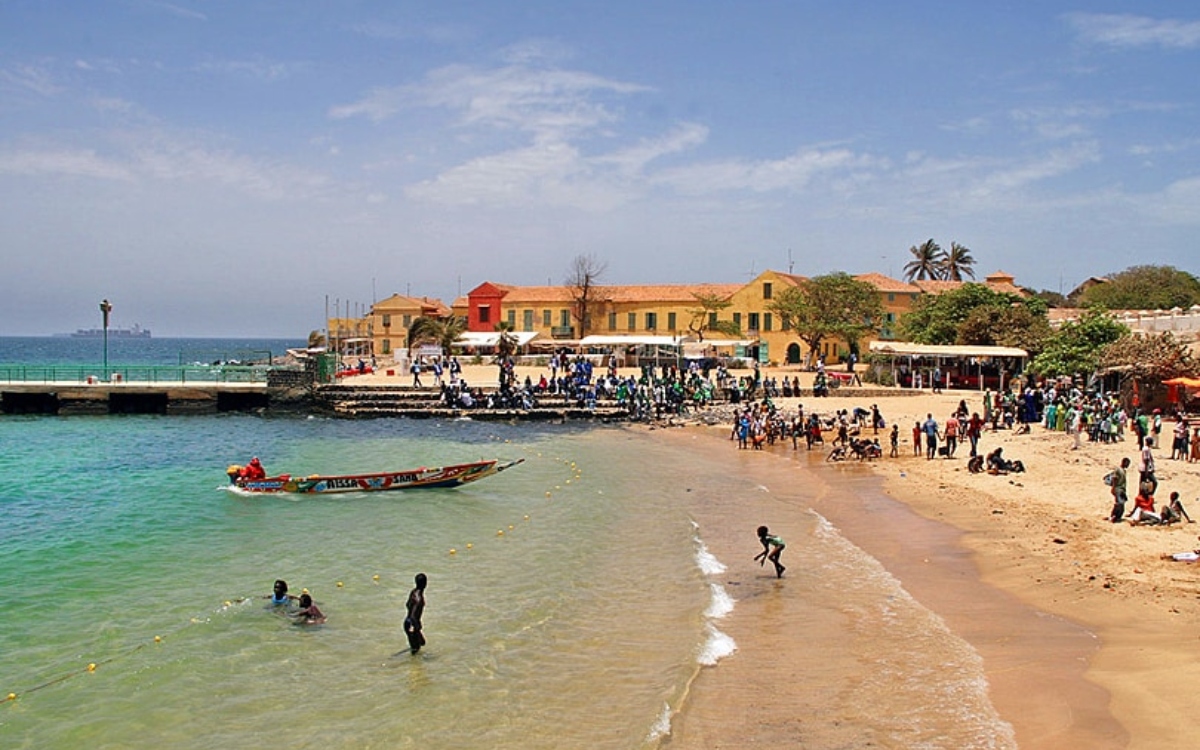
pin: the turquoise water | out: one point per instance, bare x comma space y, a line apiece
136, 539
578, 605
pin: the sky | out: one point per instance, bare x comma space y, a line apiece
231, 168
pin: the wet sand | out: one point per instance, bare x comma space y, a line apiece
1034, 661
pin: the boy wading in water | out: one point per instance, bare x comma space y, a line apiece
772, 546
415, 607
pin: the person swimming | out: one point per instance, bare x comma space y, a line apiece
310, 613
280, 596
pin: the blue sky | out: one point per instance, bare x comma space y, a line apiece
219, 167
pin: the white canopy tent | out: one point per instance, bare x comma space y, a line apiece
978, 354
492, 338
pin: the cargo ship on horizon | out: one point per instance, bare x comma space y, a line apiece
136, 332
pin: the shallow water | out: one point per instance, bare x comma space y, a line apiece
581, 625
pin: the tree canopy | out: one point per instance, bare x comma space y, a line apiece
957, 263
1144, 288
441, 331
1075, 348
1160, 356
926, 262
703, 319
937, 319
835, 305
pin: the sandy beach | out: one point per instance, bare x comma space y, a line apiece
1088, 636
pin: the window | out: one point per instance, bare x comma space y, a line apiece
527, 320
547, 321
753, 321
671, 321
891, 297
891, 317
564, 318
766, 321
512, 318
612, 321
651, 321
633, 321
485, 315
387, 321
766, 290
387, 346
712, 319
737, 320
408, 321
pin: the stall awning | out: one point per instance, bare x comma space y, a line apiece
492, 338
630, 341
906, 349
1185, 382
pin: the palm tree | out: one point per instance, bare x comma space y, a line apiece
441, 331
957, 263
926, 263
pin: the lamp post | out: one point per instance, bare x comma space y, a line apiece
105, 309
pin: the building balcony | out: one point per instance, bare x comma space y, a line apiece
562, 332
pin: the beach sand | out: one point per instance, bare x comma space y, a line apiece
1088, 637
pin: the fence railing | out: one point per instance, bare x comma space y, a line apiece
165, 374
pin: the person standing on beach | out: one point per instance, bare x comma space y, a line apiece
1120, 484
772, 547
895, 440
930, 428
952, 426
415, 607
916, 438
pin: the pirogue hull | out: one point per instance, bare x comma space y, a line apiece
412, 479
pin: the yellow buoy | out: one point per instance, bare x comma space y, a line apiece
510, 527
92, 667
340, 584
499, 532
470, 546
158, 639
375, 577
12, 696
453, 551
547, 493
526, 518
228, 603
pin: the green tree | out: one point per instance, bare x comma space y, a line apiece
936, 318
956, 263
835, 305
926, 262
1052, 299
441, 331
1075, 348
1012, 325
704, 318
1145, 288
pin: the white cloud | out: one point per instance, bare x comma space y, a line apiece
62, 162
634, 159
31, 78
259, 69
1117, 30
546, 102
176, 10
791, 173
155, 156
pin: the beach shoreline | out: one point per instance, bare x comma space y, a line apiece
1113, 671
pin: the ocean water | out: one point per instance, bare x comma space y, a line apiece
578, 606
64, 350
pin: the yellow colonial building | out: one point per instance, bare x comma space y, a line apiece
666, 311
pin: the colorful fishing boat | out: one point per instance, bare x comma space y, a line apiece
422, 478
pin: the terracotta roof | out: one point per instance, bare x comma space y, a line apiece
887, 283
614, 293
940, 286
401, 302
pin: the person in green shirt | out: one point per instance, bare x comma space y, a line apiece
772, 547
